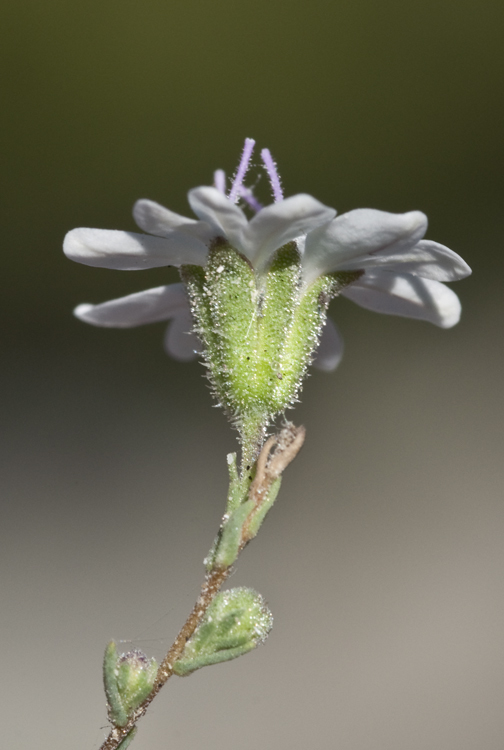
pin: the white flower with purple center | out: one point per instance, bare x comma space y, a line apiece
401, 273
253, 302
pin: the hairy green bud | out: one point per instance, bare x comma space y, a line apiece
128, 680
235, 623
259, 331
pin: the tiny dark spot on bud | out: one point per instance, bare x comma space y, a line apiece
248, 468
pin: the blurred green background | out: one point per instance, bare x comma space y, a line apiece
383, 561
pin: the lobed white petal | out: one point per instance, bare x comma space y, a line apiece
226, 219
406, 295
282, 222
160, 221
352, 237
154, 218
180, 342
330, 349
427, 259
151, 306
128, 251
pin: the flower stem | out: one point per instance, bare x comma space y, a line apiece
273, 458
252, 434
209, 590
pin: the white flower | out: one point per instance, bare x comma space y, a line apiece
402, 273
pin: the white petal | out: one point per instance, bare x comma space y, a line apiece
128, 251
351, 237
282, 222
227, 219
180, 342
407, 295
160, 221
156, 219
151, 306
330, 349
427, 259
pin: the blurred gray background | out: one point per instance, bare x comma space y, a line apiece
383, 560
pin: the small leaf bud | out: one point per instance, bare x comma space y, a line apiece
236, 622
128, 679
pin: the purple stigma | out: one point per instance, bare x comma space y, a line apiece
235, 191
249, 197
220, 180
272, 174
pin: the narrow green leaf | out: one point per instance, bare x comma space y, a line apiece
229, 543
116, 711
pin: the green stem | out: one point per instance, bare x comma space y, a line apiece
261, 495
209, 590
252, 433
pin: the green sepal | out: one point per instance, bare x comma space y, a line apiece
128, 739
235, 623
128, 680
223, 302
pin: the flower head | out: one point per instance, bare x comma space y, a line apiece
401, 273
377, 259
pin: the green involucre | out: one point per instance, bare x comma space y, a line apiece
259, 331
